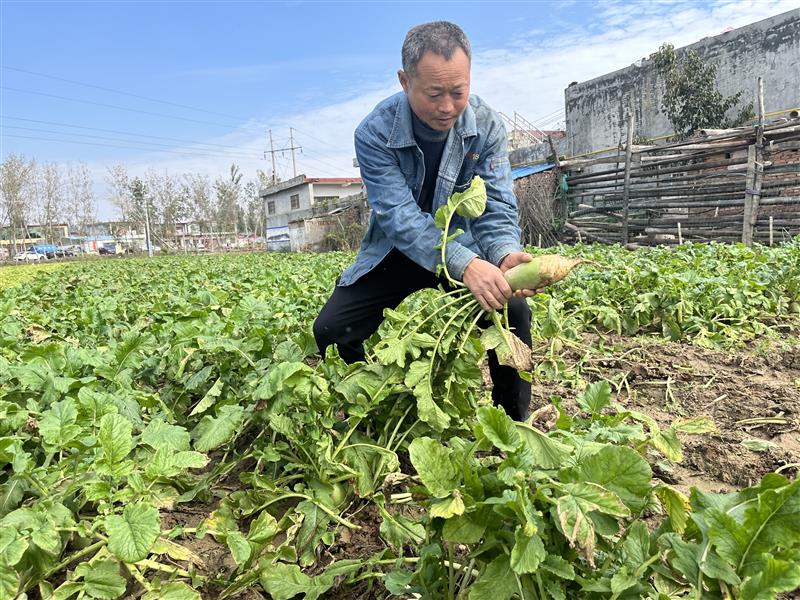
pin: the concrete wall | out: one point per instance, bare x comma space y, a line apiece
339, 190
283, 207
769, 48
282, 193
538, 153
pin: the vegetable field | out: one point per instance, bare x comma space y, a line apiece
169, 432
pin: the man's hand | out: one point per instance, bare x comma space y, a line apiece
512, 259
487, 284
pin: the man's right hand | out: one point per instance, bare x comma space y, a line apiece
487, 284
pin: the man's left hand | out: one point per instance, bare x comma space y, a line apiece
512, 259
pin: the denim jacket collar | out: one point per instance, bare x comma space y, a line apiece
402, 134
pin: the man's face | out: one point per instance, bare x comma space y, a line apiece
439, 90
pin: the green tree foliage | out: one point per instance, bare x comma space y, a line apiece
691, 99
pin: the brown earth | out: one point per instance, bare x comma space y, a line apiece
753, 395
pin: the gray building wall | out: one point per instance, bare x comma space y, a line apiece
769, 49
307, 190
538, 153
338, 190
281, 195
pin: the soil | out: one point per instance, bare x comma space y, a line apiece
753, 395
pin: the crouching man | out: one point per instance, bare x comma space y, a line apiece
415, 149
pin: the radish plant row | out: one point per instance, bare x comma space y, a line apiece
131, 390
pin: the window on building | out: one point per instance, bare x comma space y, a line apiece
295, 199
271, 207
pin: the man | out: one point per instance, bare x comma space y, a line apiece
415, 149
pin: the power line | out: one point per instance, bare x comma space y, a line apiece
321, 161
27, 137
308, 135
107, 89
282, 168
151, 113
115, 106
134, 141
310, 156
114, 139
103, 137
155, 137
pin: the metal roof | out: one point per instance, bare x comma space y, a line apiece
530, 170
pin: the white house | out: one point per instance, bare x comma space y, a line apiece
301, 198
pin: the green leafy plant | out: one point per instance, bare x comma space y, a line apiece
562, 515
691, 100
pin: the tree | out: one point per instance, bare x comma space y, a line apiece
228, 192
81, 206
167, 206
253, 210
50, 197
197, 189
120, 185
16, 178
691, 99
139, 207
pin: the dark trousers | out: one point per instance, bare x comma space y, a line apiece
354, 312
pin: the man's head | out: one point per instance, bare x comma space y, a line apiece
435, 73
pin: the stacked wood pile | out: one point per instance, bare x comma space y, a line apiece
538, 202
722, 185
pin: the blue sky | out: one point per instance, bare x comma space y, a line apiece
212, 77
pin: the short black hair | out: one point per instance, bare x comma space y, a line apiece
440, 37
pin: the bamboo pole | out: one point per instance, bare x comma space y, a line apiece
710, 150
627, 182
580, 233
788, 145
647, 171
755, 172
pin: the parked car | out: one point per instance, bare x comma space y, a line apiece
49, 250
29, 256
106, 250
73, 250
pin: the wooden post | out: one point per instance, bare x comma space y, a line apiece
755, 173
771, 234
680, 235
627, 182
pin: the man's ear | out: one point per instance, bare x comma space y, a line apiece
403, 78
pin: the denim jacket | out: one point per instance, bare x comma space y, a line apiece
393, 169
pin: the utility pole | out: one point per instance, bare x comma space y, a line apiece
291, 145
148, 236
273, 150
272, 153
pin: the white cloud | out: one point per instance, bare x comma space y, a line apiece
529, 77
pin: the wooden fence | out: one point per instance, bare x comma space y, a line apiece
723, 185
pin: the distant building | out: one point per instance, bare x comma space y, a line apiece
34, 234
202, 235
338, 227
298, 198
